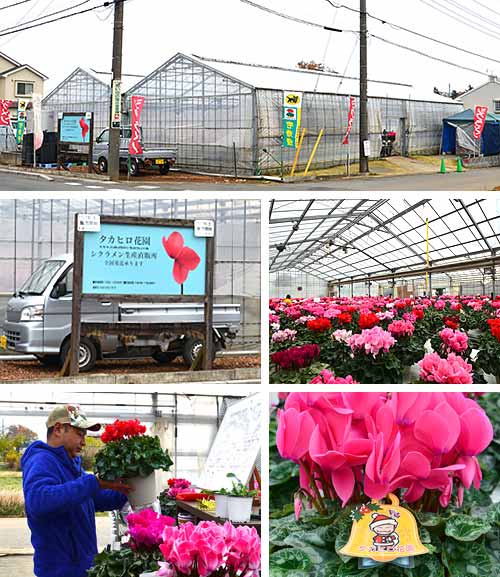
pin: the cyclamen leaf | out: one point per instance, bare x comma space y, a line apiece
290, 559
466, 528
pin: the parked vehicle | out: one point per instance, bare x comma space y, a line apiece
38, 321
161, 158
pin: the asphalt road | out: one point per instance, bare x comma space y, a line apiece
478, 179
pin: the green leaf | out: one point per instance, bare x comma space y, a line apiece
283, 472
429, 519
467, 559
428, 566
290, 560
466, 528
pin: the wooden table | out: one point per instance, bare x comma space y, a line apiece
202, 514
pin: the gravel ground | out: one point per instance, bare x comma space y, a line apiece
26, 370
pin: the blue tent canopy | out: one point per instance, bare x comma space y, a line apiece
490, 139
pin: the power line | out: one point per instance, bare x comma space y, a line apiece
414, 32
453, 16
103, 5
293, 18
15, 4
473, 14
486, 7
46, 16
428, 55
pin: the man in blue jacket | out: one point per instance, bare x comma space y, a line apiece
61, 499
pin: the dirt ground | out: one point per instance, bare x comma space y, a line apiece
26, 370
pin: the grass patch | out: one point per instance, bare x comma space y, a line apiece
11, 504
12, 482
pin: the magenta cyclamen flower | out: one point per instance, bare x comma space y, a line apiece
454, 341
296, 357
371, 341
146, 528
403, 328
452, 370
327, 377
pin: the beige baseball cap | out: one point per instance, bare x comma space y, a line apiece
71, 415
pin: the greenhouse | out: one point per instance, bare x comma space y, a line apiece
226, 117
384, 288
32, 230
150, 470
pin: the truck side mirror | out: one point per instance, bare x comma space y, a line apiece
98, 139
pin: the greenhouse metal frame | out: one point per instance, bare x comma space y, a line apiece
223, 123
34, 229
351, 247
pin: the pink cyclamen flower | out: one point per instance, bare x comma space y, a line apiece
452, 370
284, 335
454, 340
294, 431
371, 341
403, 328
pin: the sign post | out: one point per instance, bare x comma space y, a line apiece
120, 259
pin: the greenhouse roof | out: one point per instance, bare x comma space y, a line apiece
367, 239
274, 78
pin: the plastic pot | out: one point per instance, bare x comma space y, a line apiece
239, 509
221, 505
144, 491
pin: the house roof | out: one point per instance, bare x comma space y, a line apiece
20, 67
478, 88
11, 60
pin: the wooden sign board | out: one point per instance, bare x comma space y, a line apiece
236, 445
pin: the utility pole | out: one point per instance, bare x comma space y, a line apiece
114, 130
363, 88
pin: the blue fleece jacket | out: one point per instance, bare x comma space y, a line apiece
61, 501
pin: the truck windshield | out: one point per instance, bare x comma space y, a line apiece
40, 279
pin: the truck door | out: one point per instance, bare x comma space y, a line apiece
57, 317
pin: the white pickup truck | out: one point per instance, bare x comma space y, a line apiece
158, 158
38, 322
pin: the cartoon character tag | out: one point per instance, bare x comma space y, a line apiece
384, 534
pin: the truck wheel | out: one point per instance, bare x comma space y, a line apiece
87, 356
102, 165
164, 358
134, 167
49, 360
191, 349
165, 169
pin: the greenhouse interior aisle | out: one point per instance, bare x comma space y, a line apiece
384, 291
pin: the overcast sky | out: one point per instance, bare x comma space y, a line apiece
230, 29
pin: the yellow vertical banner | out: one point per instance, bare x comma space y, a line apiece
292, 113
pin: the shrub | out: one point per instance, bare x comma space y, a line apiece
11, 504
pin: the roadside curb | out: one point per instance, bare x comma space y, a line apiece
16, 552
100, 179
238, 374
27, 173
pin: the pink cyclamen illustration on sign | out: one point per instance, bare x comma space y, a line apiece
480, 114
185, 258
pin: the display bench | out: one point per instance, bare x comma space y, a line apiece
204, 515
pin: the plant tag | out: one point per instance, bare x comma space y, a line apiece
383, 533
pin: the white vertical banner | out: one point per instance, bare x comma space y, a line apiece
36, 102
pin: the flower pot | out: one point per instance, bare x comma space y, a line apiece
221, 505
239, 509
144, 490
149, 574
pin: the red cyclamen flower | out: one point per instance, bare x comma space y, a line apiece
185, 258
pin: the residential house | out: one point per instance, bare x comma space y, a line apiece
18, 81
487, 94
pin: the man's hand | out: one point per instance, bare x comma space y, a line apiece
118, 485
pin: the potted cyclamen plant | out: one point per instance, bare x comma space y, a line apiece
221, 500
239, 501
130, 454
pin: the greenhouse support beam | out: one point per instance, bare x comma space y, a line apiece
445, 268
